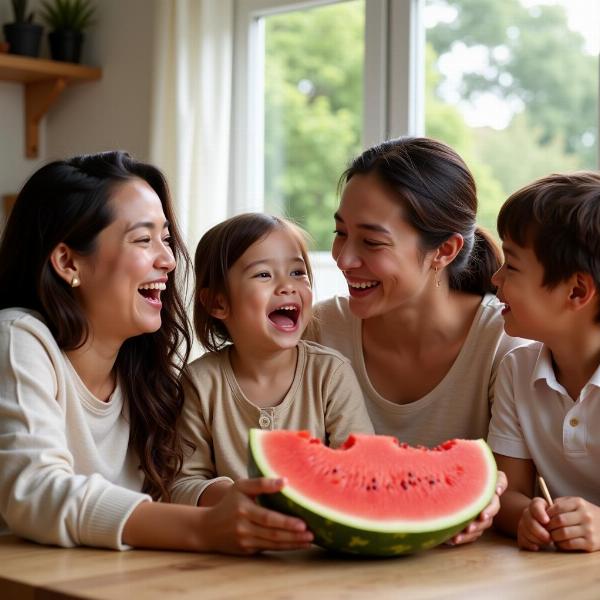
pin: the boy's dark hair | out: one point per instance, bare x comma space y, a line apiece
437, 191
559, 217
217, 251
70, 201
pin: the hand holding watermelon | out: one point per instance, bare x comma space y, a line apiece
240, 526
475, 529
375, 496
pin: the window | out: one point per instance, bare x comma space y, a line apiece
513, 87
313, 85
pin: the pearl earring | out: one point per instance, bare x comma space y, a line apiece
75, 282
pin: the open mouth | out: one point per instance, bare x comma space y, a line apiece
285, 317
151, 292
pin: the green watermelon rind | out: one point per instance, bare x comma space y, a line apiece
343, 533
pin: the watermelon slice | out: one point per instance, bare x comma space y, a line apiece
375, 496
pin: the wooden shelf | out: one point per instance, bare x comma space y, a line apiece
44, 81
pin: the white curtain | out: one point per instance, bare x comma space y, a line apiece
191, 108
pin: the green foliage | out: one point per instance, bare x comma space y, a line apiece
76, 15
313, 98
501, 151
20, 11
532, 59
313, 80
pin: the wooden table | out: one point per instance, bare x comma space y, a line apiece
491, 568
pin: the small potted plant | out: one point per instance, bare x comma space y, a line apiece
23, 35
67, 20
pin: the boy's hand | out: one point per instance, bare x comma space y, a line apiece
532, 529
484, 520
574, 524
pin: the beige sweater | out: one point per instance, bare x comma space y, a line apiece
67, 474
458, 407
324, 398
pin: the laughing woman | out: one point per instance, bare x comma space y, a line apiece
421, 326
92, 336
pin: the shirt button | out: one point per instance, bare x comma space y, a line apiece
574, 422
264, 422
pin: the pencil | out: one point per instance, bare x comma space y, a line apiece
544, 489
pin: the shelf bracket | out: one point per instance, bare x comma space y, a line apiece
39, 97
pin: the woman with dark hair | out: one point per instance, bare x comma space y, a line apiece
421, 325
93, 335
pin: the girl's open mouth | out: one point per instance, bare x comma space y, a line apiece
285, 318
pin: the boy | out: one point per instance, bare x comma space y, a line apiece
546, 413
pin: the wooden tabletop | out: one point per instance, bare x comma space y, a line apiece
491, 568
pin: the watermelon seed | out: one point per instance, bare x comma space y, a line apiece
334, 470
404, 486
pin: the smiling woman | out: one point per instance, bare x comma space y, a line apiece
421, 324
93, 333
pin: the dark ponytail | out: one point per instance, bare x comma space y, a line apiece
484, 259
439, 197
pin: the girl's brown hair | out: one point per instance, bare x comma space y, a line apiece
217, 251
439, 197
70, 201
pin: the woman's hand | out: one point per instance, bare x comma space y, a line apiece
474, 529
237, 525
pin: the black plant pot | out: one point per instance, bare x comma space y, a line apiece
65, 45
23, 38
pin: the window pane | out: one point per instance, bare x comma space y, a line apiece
313, 110
513, 87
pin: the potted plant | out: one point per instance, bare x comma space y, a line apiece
67, 20
23, 36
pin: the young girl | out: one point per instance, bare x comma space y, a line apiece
91, 323
253, 301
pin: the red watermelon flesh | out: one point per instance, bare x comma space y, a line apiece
374, 487
376, 477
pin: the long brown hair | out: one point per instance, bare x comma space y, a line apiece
439, 197
69, 201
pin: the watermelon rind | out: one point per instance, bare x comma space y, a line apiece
340, 532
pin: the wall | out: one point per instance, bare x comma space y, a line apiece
111, 113
14, 167
114, 112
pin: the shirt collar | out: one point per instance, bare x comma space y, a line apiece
544, 370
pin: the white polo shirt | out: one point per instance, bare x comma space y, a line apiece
533, 417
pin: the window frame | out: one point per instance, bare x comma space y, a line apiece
393, 85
